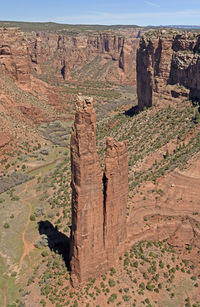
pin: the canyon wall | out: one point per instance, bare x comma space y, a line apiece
168, 65
14, 55
86, 57
98, 201
92, 56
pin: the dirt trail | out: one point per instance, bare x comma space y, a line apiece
4, 295
28, 247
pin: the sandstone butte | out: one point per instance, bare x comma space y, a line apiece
98, 201
168, 66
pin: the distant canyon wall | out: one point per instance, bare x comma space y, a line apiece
168, 65
103, 57
95, 56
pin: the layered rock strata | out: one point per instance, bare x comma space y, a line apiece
87, 196
103, 56
98, 202
168, 64
115, 198
14, 55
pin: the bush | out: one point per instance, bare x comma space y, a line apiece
32, 217
111, 283
6, 226
44, 253
149, 286
126, 298
112, 271
112, 298
15, 198
126, 261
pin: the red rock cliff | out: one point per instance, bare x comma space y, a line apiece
14, 55
98, 203
103, 56
115, 198
168, 63
87, 196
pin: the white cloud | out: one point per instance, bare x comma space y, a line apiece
151, 4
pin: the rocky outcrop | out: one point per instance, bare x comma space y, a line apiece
168, 63
115, 198
98, 204
87, 196
14, 55
5, 138
100, 56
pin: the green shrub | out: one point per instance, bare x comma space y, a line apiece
44, 254
126, 261
111, 283
149, 286
126, 298
112, 298
32, 217
6, 225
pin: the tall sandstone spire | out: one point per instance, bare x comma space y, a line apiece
87, 196
98, 202
115, 198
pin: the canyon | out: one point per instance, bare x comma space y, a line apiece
100, 191
105, 57
40, 72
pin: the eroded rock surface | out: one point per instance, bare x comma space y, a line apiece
14, 55
115, 198
104, 56
168, 67
98, 202
87, 197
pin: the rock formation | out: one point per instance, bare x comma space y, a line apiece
168, 65
5, 138
105, 56
14, 55
98, 202
87, 196
115, 198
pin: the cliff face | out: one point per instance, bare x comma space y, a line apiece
98, 202
115, 198
14, 55
168, 64
87, 197
101, 57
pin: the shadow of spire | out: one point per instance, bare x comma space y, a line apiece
57, 241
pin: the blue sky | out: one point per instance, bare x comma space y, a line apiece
140, 12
